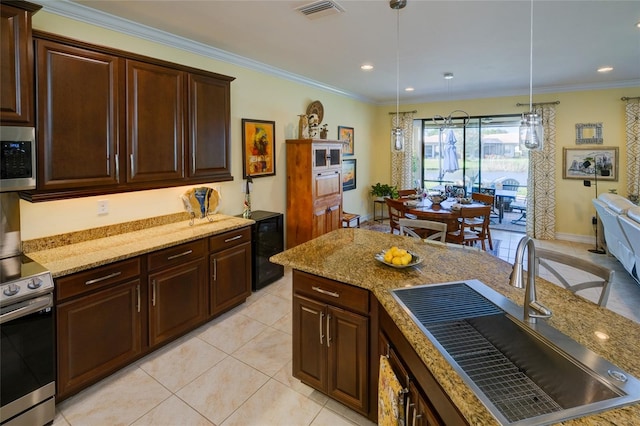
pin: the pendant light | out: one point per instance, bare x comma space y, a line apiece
397, 133
531, 132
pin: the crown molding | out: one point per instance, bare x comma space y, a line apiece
81, 13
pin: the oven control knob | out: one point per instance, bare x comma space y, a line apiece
11, 290
34, 283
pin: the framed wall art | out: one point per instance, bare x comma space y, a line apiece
590, 163
258, 148
346, 134
348, 174
589, 134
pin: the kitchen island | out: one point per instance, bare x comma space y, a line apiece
347, 256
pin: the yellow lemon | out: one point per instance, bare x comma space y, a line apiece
388, 256
401, 252
397, 261
406, 259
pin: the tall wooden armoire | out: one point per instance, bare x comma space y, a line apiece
314, 188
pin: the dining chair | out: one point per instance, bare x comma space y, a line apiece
409, 226
550, 260
469, 232
487, 200
406, 192
397, 210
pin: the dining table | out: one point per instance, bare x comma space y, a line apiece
448, 211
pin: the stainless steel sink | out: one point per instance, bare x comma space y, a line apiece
525, 374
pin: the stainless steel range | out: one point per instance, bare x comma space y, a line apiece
27, 362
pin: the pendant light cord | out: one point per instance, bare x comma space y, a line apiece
531, 61
397, 66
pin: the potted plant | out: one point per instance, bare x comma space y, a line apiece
383, 190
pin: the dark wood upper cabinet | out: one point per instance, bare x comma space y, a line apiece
111, 121
78, 113
155, 133
209, 117
16, 63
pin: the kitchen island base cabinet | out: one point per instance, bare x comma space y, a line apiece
331, 339
98, 334
426, 402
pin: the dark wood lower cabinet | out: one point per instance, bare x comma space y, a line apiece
98, 334
331, 339
178, 300
426, 402
109, 316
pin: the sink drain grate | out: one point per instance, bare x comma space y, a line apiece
510, 390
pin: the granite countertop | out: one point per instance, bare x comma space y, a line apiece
65, 259
347, 255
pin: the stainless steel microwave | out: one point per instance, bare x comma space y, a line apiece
17, 158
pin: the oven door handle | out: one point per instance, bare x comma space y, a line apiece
27, 307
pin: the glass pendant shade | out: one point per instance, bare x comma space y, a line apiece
531, 132
397, 139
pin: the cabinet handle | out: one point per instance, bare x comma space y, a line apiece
138, 297
153, 293
117, 158
321, 335
327, 292
237, 237
407, 407
132, 168
106, 277
193, 162
215, 269
175, 256
329, 330
416, 417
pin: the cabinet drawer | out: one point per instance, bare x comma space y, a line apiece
229, 239
328, 183
344, 295
84, 282
176, 255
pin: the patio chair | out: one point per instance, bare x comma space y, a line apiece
520, 204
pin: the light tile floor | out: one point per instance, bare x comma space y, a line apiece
236, 369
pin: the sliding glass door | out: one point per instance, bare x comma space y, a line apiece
483, 154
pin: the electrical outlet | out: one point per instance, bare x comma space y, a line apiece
103, 207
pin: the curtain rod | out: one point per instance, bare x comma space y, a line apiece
539, 103
404, 112
626, 98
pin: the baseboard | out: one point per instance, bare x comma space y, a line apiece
575, 238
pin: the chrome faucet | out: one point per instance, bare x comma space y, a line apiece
532, 308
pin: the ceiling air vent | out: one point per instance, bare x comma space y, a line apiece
320, 9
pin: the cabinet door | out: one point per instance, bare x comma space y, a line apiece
155, 131
309, 342
419, 411
97, 334
230, 277
16, 74
78, 106
348, 345
209, 153
177, 300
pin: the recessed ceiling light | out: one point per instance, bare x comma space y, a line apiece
409, 89
448, 75
638, 24
605, 69
366, 67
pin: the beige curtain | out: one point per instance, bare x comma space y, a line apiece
541, 183
401, 175
633, 149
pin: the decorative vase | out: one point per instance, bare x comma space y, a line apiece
323, 133
303, 127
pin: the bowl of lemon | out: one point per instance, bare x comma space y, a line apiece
398, 258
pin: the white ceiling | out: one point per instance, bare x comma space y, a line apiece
485, 44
